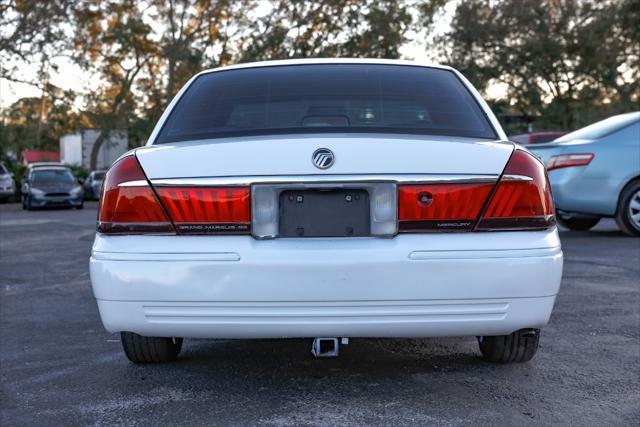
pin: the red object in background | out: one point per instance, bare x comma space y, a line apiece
32, 156
537, 137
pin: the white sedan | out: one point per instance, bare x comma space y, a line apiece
327, 199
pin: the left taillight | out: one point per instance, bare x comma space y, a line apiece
208, 210
128, 204
569, 160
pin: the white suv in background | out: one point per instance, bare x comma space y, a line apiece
328, 199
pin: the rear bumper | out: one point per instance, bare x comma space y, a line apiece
575, 193
409, 286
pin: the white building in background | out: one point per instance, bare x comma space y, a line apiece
75, 148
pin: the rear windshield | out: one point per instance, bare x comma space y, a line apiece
52, 175
602, 128
326, 98
98, 175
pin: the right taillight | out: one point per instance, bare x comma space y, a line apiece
522, 198
440, 207
128, 204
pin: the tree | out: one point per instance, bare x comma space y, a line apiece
564, 57
331, 28
31, 123
113, 40
32, 31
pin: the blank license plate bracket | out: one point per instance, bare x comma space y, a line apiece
324, 213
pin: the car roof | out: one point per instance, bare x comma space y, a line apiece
53, 168
310, 61
44, 164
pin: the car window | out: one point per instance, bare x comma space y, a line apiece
52, 175
602, 128
98, 176
3, 170
326, 98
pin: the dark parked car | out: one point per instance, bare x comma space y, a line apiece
536, 137
51, 186
93, 185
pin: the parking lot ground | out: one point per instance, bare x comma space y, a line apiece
59, 367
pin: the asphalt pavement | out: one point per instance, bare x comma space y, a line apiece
58, 366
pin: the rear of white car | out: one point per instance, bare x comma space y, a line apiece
327, 199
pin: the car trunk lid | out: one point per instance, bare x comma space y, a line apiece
354, 154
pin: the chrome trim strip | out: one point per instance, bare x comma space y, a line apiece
324, 179
138, 183
516, 178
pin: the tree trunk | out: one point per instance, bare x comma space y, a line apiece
95, 150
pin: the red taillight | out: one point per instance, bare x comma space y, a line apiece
453, 207
128, 204
204, 210
522, 199
569, 160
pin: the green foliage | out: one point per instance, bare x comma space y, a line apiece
79, 172
566, 62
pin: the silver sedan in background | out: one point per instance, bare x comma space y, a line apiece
595, 173
7, 184
93, 185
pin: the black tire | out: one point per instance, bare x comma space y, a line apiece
518, 347
578, 224
141, 349
630, 194
80, 206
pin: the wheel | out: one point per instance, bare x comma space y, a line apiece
80, 206
578, 224
628, 212
141, 349
518, 347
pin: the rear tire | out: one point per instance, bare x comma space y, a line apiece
578, 224
141, 349
628, 212
518, 347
